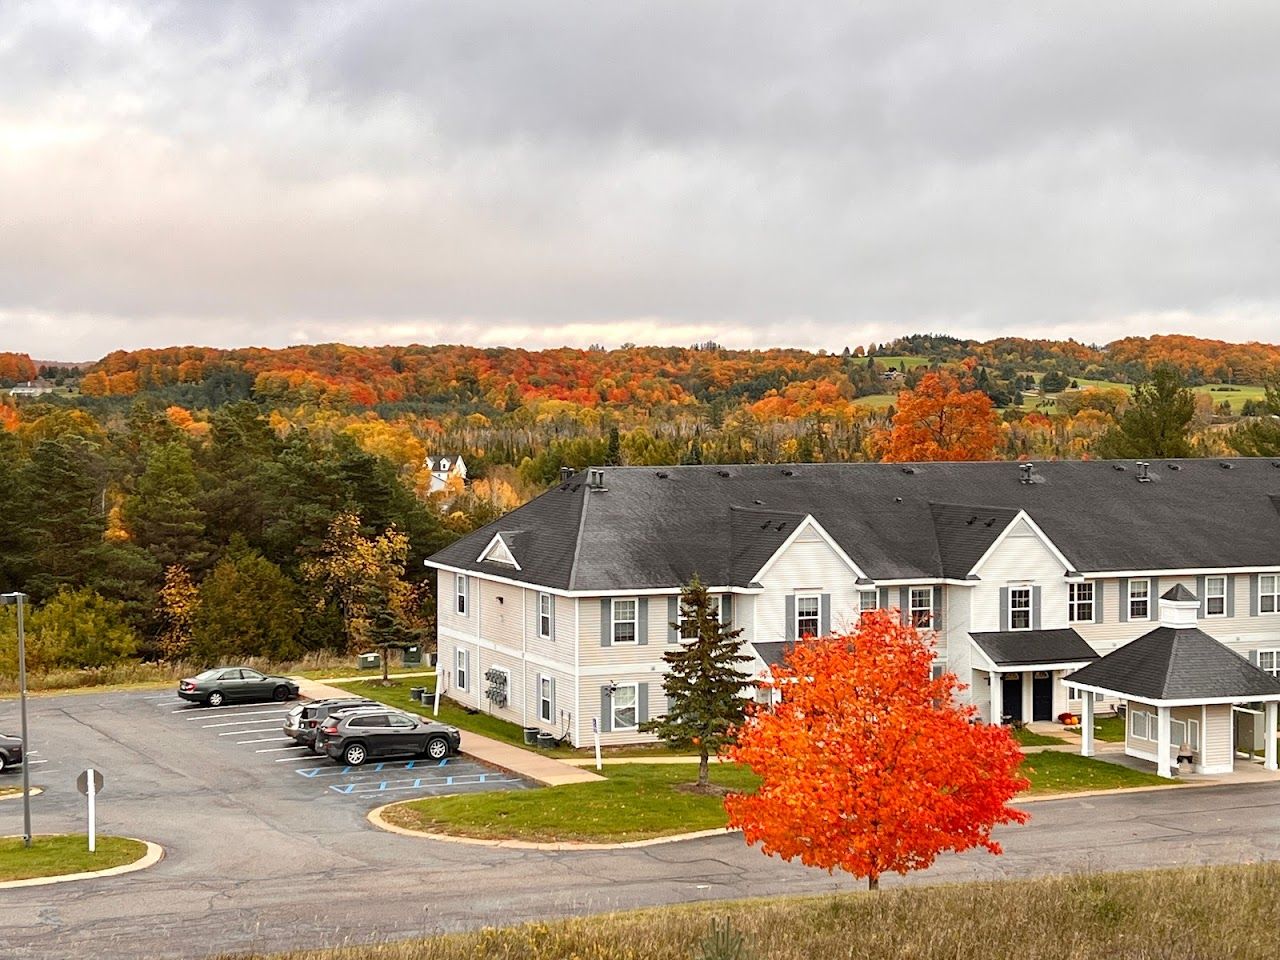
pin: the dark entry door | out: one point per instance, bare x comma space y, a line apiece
1042, 696
1011, 696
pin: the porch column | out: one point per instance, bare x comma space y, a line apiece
1269, 724
1086, 724
997, 696
1162, 742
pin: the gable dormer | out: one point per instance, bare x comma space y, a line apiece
502, 549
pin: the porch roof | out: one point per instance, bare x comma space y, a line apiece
1019, 649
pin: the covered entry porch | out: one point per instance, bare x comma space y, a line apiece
1023, 669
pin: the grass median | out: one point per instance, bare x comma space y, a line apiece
62, 854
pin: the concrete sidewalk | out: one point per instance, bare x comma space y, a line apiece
525, 763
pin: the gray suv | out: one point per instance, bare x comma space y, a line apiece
303, 720
359, 735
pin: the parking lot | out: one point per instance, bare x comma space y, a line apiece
249, 734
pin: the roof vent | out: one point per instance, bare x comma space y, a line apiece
765, 525
781, 524
1226, 466
908, 469
758, 503
1024, 472
990, 522
1276, 463
661, 474
971, 521
788, 473
595, 478
1174, 466
1143, 467
897, 499
1117, 466
723, 473
566, 474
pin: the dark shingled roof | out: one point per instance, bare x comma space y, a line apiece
1177, 664
772, 652
1179, 593
655, 528
1012, 648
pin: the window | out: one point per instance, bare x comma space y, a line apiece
867, 600
1073, 693
404, 723
1138, 724
1020, 608
464, 660
1139, 599
1193, 735
1269, 660
688, 625
1080, 602
921, 604
544, 615
377, 720
938, 669
1215, 596
544, 699
1269, 593
724, 609
624, 621
625, 714
807, 616
460, 582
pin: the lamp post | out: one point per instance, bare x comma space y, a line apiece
20, 600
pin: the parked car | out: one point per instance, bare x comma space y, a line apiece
355, 736
10, 752
222, 685
302, 720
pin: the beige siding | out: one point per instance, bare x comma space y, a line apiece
1217, 735
590, 700
630, 655
1021, 558
447, 615
501, 612
808, 566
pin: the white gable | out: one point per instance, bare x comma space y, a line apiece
498, 552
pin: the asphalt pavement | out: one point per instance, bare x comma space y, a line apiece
264, 853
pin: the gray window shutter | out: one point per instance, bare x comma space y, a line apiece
642, 702
606, 710
1124, 600
1004, 609
1253, 657
551, 600
937, 609
1153, 598
824, 607
1231, 595
1202, 594
553, 698
728, 610
466, 588
904, 603
673, 619
791, 616
1254, 589
642, 620
1099, 597
883, 602
606, 622
1035, 608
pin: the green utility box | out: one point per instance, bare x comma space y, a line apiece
368, 661
411, 656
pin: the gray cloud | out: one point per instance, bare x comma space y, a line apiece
765, 174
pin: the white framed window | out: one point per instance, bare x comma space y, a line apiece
1138, 724
1215, 596
1193, 735
624, 621
867, 600
462, 671
544, 616
544, 699
920, 602
724, 612
625, 709
1269, 660
460, 584
938, 668
1139, 599
1019, 608
1269, 593
1074, 693
808, 615
1080, 602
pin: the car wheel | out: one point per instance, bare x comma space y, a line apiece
280, 694
3, 762
437, 748
355, 754
215, 699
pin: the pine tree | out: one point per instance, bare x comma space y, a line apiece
613, 454
703, 682
1156, 424
1260, 437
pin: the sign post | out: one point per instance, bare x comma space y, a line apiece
89, 783
595, 732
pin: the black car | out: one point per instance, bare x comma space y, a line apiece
222, 685
358, 735
302, 720
10, 752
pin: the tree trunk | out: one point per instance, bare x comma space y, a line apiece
386, 653
873, 882
704, 772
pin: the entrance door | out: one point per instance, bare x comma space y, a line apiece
1042, 696
1011, 696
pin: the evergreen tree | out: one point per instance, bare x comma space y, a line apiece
162, 515
703, 682
80, 629
1157, 423
67, 518
1260, 437
247, 607
613, 453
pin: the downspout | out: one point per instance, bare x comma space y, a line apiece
524, 658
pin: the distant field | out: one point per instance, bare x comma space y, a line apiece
1236, 394
879, 401
903, 362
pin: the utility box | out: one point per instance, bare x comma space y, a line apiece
411, 656
369, 661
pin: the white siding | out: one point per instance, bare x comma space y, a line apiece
808, 565
1021, 558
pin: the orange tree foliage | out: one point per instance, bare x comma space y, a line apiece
868, 765
16, 368
939, 420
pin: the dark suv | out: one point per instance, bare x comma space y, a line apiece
358, 735
10, 751
302, 721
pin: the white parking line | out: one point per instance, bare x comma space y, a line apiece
264, 740
236, 733
295, 746
305, 757
247, 713
238, 723
195, 708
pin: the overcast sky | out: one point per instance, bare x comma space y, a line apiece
807, 174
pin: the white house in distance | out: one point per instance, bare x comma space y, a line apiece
32, 388
445, 468
558, 614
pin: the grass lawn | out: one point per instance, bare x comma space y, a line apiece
64, 853
877, 401
637, 801
1053, 772
1029, 738
1194, 912
1110, 729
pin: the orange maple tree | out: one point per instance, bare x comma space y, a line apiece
868, 764
940, 420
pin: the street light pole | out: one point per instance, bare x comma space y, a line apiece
20, 600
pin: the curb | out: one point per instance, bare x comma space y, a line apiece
1084, 794
34, 791
564, 846
154, 854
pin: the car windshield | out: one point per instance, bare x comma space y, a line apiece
209, 674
